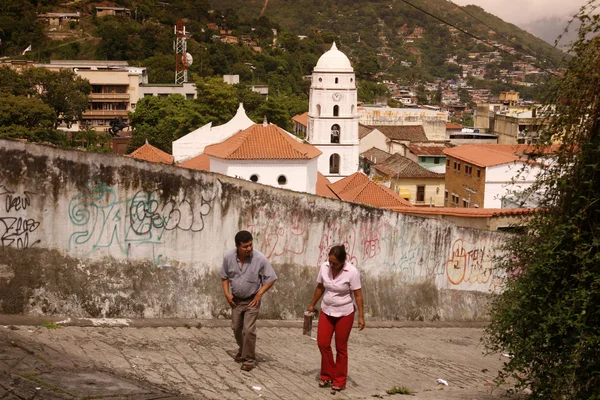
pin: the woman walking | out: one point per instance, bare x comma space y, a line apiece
339, 284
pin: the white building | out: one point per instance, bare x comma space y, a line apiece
265, 153
332, 115
194, 142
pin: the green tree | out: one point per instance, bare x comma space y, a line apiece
547, 317
64, 91
217, 101
161, 121
28, 112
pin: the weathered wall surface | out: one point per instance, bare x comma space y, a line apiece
98, 235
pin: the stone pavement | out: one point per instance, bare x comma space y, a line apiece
192, 360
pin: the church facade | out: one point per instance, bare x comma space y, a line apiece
333, 115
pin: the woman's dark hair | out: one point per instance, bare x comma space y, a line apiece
242, 237
338, 252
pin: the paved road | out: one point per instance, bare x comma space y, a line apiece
182, 362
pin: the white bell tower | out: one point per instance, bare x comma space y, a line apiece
332, 115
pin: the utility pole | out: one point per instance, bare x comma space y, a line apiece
470, 191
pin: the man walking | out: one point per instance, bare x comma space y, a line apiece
246, 276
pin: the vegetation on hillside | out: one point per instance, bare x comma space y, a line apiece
548, 316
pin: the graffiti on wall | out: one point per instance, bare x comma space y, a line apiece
16, 230
281, 232
470, 262
103, 220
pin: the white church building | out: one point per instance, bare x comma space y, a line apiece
333, 115
267, 154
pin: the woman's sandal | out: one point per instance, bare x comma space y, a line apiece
338, 388
323, 383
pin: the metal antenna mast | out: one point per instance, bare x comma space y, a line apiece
181, 62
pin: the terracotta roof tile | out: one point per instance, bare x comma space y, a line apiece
302, 119
323, 187
427, 150
398, 166
468, 212
153, 154
453, 126
375, 155
262, 142
483, 155
363, 130
200, 162
411, 133
358, 188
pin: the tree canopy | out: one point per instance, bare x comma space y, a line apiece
548, 316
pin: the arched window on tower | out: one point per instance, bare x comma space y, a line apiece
336, 111
352, 110
334, 164
336, 80
318, 110
335, 133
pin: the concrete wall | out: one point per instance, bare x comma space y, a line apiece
99, 235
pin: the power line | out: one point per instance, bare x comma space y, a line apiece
468, 33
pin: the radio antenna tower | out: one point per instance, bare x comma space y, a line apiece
181, 55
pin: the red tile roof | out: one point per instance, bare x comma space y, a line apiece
483, 155
358, 188
453, 126
427, 150
153, 154
302, 119
200, 162
375, 155
411, 133
323, 187
468, 212
363, 130
398, 166
262, 142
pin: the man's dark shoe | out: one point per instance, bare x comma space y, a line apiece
238, 358
246, 366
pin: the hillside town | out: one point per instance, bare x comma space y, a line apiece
153, 153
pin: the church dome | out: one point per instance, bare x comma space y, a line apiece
333, 61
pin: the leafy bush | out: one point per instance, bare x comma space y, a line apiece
548, 316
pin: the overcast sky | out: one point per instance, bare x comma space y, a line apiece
525, 11
544, 18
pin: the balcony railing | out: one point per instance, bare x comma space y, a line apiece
105, 113
109, 96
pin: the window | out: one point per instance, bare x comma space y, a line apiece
436, 160
420, 194
422, 159
448, 163
468, 169
455, 199
478, 173
351, 80
334, 164
320, 79
465, 204
254, 178
336, 80
336, 111
458, 169
445, 195
282, 180
318, 110
335, 133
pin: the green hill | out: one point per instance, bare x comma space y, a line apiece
385, 39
